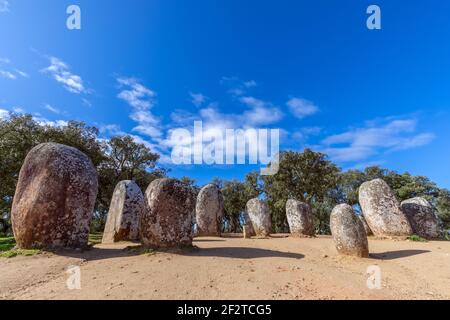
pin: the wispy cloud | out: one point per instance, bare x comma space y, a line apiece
142, 100
60, 71
237, 87
22, 73
4, 6
5, 61
7, 75
301, 108
4, 114
360, 144
52, 109
197, 99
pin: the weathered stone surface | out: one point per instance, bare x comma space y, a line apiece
422, 217
209, 211
55, 198
247, 231
125, 212
382, 210
300, 218
348, 232
260, 218
167, 220
366, 226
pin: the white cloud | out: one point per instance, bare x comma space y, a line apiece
4, 6
22, 73
359, 144
5, 61
52, 109
4, 114
141, 99
301, 108
62, 74
197, 99
7, 75
260, 112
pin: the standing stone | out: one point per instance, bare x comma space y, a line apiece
366, 226
348, 232
248, 227
300, 218
382, 210
167, 220
209, 211
422, 217
125, 212
259, 214
54, 198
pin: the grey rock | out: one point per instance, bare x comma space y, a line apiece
300, 218
54, 198
382, 210
366, 226
422, 217
167, 219
260, 218
348, 232
209, 211
125, 212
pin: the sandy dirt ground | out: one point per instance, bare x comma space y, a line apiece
234, 268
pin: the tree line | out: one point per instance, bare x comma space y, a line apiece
305, 176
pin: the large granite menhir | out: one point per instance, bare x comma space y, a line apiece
54, 199
125, 212
260, 218
300, 218
423, 218
167, 220
209, 211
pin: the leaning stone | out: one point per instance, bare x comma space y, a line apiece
348, 232
382, 210
167, 220
259, 214
300, 218
422, 217
209, 211
125, 212
366, 226
54, 198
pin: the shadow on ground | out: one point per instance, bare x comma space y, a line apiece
242, 253
392, 255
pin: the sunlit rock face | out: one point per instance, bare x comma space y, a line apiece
300, 218
382, 210
54, 199
260, 218
348, 232
422, 217
167, 220
209, 211
125, 212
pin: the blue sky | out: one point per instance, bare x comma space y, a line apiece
309, 68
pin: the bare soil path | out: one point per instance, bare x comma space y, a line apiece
234, 268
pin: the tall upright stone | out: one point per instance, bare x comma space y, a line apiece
348, 232
382, 210
247, 228
259, 214
54, 198
209, 211
125, 212
300, 218
422, 217
167, 220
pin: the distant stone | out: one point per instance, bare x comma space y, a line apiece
125, 212
260, 218
422, 217
382, 210
209, 211
300, 218
348, 232
167, 219
54, 198
247, 231
366, 226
